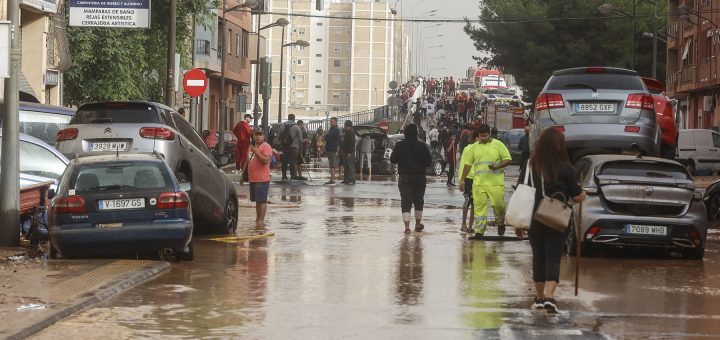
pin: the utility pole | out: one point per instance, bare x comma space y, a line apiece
10, 160
170, 79
655, 38
223, 108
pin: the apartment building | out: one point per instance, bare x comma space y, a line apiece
45, 52
356, 49
692, 63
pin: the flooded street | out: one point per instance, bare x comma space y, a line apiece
339, 267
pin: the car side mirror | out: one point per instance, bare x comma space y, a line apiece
51, 194
186, 187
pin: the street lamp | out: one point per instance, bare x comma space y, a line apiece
650, 35
301, 43
608, 9
422, 43
282, 22
251, 4
419, 48
431, 59
431, 47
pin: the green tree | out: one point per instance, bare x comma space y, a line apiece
532, 38
124, 64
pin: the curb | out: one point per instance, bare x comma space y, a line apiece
139, 276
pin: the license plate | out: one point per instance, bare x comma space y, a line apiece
109, 225
645, 229
122, 204
109, 146
594, 107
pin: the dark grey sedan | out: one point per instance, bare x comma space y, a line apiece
639, 202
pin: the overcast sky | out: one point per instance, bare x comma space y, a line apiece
459, 49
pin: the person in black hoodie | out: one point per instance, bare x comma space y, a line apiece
412, 157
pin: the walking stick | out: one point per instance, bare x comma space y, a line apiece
577, 248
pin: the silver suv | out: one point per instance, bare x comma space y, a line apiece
138, 126
601, 110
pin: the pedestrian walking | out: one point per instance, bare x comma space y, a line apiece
259, 175
367, 146
524, 146
243, 133
467, 193
332, 143
348, 152
550, 166
412, 159
434, 136
450, 159
289, 139
489, 156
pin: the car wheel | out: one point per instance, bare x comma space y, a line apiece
437, 168
230, 216
690, 166
694, 253
714, 207
189, 255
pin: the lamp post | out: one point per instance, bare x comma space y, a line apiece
650, 35
223, 107
431, 59
256, 109
301, 43
412, 17
422, 43
608, 9
419, 48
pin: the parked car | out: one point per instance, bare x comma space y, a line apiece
639, 202
379, 137
107, 128
601, 110
435, 168
130, 203
42, 121
511, 139
712, 202
39, 162
665, 114
699, 149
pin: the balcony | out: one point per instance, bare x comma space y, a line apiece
202, 47
687, 75
671, 82
673, 34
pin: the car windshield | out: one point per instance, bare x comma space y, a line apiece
363, 130
120, 175
42, 125
120, 113
513, 136
606, 81
644, 169
36, 160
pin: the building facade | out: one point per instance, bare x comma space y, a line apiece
356, 49
208, 53
692, 63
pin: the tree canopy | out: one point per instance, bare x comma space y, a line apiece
129, 64
532, 38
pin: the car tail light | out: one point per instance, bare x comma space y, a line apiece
66, 134
594, 230
595, 70
632, 128
173, 200
549, 101
69, 205
157, 133
640, 101
695, 237
559, 128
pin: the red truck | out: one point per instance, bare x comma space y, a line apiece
665, 118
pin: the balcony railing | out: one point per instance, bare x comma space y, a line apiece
687, 75
202, 47
672, 79
672, 29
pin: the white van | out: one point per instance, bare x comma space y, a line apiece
699, 149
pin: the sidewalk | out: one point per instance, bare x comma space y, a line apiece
35, 292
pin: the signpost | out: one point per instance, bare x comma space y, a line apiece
195, 82
110, 13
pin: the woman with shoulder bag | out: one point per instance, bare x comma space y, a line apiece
554, 177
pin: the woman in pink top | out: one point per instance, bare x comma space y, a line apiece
259, 175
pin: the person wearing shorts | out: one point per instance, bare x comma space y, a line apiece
259, 175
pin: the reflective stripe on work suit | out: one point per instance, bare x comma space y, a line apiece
488, 184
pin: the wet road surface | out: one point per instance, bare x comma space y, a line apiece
339, 266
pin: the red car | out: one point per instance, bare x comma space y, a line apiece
665, 118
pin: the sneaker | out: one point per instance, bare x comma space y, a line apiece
329, 182
538, 303
551, 306
501, 230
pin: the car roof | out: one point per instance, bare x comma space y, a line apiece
601, 159
122, 157
141, 102
28, 106
581, 70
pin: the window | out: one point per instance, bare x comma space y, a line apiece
708, 48
337, 48
336, 79
245, 43
337, 31
318, 55
229, 42
319, 23
300, 48
318, 39
300, 62
318, 71
301, 31
336, 95
37, 161
318, 86
687, 55
191, 135
716, 139
336, 63
238, 44
317, 102
299, 78
299, 94
145, 175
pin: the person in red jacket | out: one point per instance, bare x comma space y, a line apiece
243, 133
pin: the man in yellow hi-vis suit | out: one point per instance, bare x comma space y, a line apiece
467, 194
488, 158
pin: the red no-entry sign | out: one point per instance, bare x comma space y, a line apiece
195, 82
